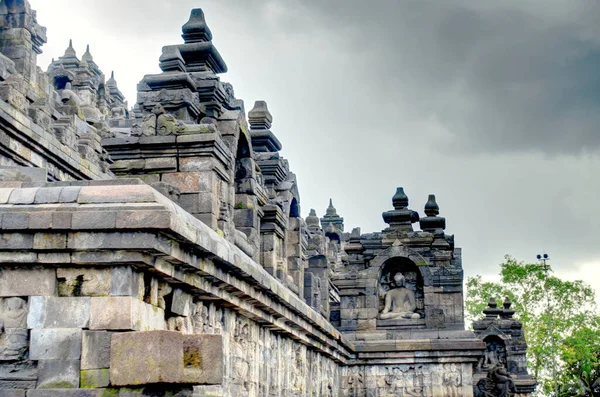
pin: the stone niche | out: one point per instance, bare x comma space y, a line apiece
411, 293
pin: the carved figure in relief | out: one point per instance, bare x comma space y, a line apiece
498, 383
13, 329
451, 380
495, 353
355, 382
400, 302
241, 364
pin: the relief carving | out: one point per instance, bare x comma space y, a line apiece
498, 383
13, 329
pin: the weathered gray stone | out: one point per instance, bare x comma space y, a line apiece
95, 378
125, 313
95, 350
203, 359
55, 344
66, 393
54, 374
53, 312
181, 302
27, 281
123, 282
139, 358
83, 281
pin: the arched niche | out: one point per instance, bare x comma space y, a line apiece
244, 166
334, 237
413, 280
294, 208
422, 264
495, 353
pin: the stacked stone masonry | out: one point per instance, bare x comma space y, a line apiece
160, 250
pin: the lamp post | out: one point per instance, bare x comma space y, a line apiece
546, 268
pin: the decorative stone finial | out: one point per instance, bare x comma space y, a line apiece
492, 311
112, 82
70, 51
431, 207
400, 218
196, 30
331, 211
400, 199
332, 219
435, 224
259, 117
312, 220
507, 312
87, 57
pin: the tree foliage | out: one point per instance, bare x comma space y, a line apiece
560, 320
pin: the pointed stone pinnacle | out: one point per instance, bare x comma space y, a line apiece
70, 51
87, 56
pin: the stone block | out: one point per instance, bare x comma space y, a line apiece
15, 220
47, 195
182, 302
123, 282
203, 359
93, 220
69, 194
53, 312
12, 393
116, 194
41, 220
139, 358
69, 393
58, 374
23, 196
55, 344
186, 182
94, 378
125, 313
27, 281
83, 281
62, 220
143, 219
209, 391
161, 163
5, 195
95, 350
47, 241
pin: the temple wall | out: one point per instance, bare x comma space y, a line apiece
80, 265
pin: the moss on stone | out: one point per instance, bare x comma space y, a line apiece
94, 378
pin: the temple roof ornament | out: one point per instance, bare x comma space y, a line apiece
401, 217
196, 30
70, 51
312, 220
260, 120
332, 218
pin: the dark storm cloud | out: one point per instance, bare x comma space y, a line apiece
514, 77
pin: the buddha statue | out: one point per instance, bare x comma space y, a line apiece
400, 302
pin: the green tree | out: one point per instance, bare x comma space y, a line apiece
564, 334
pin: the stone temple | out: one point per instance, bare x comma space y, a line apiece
160, 250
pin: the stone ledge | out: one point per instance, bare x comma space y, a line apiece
227, 262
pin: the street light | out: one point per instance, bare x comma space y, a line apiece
546, 268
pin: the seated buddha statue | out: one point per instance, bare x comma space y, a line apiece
400, 302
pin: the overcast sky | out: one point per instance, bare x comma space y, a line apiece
492, 106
